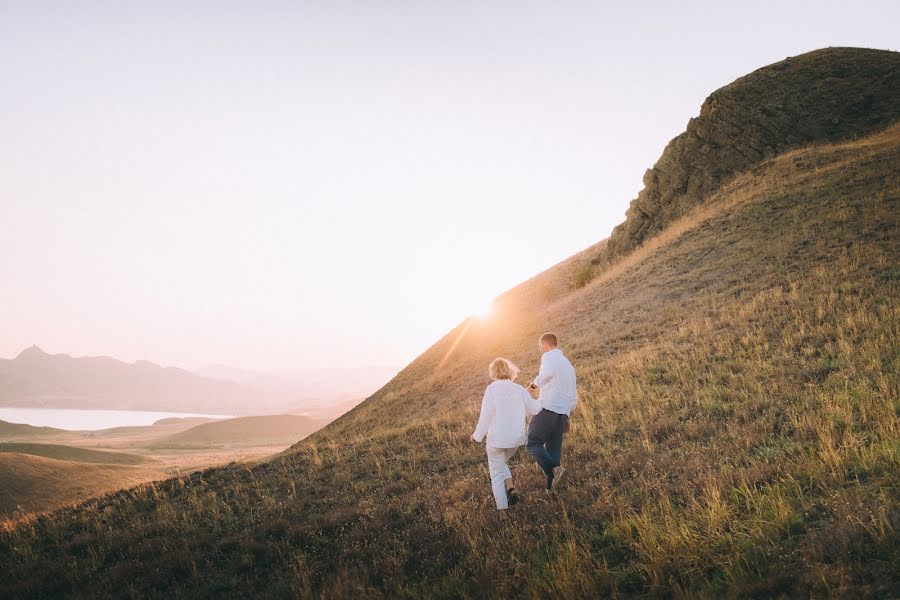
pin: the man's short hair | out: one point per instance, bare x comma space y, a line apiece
550, 338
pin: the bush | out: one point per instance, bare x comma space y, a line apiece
584, 276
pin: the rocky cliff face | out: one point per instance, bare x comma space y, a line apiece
826, 95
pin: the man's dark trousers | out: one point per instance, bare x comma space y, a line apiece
545, 436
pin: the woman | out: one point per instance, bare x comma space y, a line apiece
503, 411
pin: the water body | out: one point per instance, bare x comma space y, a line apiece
90, 420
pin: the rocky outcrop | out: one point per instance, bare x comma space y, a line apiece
822, 96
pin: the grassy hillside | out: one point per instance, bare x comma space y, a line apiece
72, 453
160, 448
824, 96
737, 434
36, 483
243, 431
9, 431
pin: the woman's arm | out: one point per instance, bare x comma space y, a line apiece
485, 418
532, 406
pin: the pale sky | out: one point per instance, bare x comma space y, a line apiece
284, 184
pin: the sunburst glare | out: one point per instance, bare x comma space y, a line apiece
483, 310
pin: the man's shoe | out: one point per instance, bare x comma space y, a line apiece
512, 497
558, 473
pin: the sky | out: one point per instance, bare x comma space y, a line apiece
309, 184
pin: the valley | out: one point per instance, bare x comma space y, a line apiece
43, 468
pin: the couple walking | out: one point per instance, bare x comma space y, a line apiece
505, 407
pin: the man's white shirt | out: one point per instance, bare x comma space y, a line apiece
556, 380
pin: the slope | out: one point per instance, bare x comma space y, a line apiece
737, 432
822, 96
36, 483
72, 453
20, 430
243, 431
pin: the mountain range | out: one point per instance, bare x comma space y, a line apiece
35, 378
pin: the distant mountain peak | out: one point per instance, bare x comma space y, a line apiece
32, 353
146, 364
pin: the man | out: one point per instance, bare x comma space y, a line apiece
556, 381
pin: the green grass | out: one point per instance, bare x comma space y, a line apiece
737, 435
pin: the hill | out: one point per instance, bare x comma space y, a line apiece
62, 452
37, 483
20, 430
822, 96
268, 430
737, 433
244, 441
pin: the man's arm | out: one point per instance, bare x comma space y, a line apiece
544, 375
575, 388
574, 401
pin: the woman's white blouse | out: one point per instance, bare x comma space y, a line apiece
503, 411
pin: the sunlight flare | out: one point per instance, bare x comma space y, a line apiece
483, 310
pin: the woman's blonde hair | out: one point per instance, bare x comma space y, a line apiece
503, 369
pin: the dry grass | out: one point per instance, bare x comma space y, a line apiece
63, 452
737, 435
34, 483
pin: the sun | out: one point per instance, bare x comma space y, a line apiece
483, 310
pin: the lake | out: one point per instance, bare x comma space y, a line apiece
89, 420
